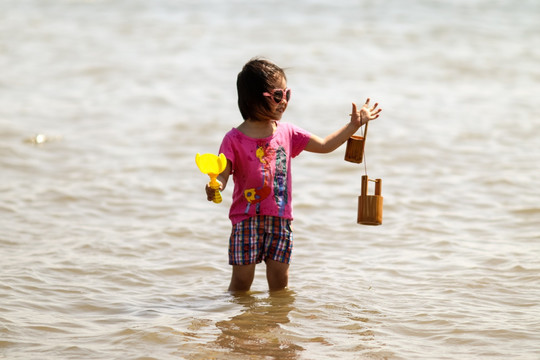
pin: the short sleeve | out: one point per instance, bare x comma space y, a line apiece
227, 147
299, 139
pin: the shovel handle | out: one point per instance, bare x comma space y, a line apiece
217, 194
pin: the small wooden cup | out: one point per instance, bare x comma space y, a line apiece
370, 206
355, 149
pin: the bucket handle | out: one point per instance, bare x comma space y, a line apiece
378, 185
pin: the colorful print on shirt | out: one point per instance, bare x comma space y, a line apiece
261, 170
258, 194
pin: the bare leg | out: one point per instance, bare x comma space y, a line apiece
277, 275
242, 277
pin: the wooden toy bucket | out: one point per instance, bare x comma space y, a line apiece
355, 148
370, 206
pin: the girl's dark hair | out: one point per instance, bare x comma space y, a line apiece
256, 77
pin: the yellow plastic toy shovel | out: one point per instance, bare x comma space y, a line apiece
212, 165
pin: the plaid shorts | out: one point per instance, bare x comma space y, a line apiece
259, 238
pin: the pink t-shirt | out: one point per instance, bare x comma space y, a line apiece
261, 170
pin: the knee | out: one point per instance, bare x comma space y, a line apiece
278, 282
277, 275
241, 283
241, 279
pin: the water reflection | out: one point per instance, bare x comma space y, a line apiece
258, 330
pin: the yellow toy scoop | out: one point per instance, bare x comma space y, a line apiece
212, 165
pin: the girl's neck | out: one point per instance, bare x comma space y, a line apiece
258, 129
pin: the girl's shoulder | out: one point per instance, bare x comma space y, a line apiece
283, 129
293, 130
286, 127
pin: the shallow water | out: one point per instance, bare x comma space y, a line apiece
110, 250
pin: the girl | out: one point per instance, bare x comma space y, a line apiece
259, 153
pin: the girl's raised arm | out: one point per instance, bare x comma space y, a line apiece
334, 140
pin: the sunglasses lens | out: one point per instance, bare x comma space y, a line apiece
278, 96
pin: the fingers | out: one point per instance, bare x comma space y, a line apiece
374, 115
375, 112
354, 110
371, 113
210, 193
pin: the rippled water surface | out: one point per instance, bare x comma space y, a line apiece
110, 250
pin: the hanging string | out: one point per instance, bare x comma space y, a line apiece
364, 154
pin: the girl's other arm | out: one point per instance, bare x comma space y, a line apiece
334, 140
222, 178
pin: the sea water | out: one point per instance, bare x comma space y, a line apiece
109, 249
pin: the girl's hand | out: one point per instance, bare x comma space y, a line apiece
365, 114
211, 193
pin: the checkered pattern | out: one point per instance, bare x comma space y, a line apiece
259, 238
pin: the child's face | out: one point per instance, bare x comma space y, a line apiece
278, 108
